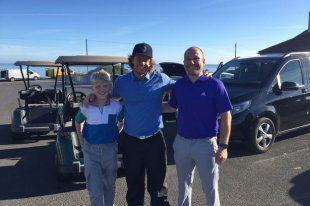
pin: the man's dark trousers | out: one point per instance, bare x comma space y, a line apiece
142, 157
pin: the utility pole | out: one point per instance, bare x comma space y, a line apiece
309, 23
86, 53
235, 50
86, 48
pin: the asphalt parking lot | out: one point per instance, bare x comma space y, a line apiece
27, 175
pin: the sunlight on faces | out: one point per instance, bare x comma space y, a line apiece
141, 65
194, 61
101, 88
101, 84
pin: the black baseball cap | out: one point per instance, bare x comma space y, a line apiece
143, 49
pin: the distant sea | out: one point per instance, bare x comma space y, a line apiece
41, 70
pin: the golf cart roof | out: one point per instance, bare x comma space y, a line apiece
37, 63
91, 60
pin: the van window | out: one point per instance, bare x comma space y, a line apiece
291, 72
4, 74
249, 71
305, 62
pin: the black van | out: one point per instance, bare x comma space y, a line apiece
270, 96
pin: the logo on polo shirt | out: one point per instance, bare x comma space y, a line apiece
203, 94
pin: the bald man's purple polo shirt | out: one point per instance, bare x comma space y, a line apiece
199, 105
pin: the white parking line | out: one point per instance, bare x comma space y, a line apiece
9, 162
284, 155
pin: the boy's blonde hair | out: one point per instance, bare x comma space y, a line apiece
100, 75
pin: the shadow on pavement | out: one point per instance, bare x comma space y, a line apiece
292, 134
29, 171
300, 191
5, 131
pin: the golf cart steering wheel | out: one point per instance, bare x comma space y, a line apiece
35, 87
79, 97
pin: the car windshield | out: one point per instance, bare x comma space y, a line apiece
246, 71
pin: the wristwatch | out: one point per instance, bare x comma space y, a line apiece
223, 145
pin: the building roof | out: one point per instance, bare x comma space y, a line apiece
299, 43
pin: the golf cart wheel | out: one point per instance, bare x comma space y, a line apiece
12, 79
263, 135
17, 135
60, 176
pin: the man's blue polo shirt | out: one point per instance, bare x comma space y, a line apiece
142, 99
199, 105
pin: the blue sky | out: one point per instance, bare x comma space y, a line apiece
44, 30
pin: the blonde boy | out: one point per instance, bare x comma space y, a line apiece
98, 137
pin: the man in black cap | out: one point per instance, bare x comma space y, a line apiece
142, 142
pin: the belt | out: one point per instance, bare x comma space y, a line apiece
197, 139
146, 136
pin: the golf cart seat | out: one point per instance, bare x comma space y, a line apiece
41, 114
41, 110
55, 95
47, 96
25, 94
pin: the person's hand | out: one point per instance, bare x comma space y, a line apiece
206, 73
82, 142
221, 156
89, 100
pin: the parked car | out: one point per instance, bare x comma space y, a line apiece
270, 96
37, 113
19, 74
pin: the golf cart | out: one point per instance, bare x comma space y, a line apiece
37, 113
69, 157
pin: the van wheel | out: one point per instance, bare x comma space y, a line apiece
12, 79
35, 78
263, 135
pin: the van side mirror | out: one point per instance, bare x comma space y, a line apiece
289, 86
219, 66
276, 89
